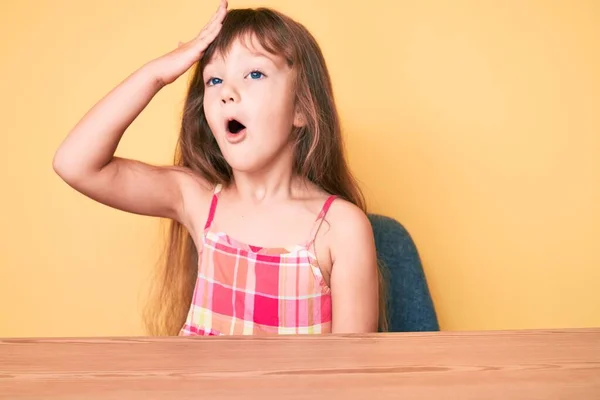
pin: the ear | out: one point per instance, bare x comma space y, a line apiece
299, 120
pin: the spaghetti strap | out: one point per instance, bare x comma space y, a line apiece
213, 206
320, 218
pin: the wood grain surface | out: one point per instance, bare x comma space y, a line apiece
548, 364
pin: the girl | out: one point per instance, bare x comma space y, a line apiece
259, 166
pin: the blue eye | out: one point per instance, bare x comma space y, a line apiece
214, 81
256, 74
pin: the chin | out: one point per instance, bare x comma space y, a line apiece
245, 165
251, 160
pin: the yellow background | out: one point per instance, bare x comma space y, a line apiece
474, 123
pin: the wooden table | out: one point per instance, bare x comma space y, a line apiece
552, 364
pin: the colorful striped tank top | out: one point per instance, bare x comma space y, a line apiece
248, 290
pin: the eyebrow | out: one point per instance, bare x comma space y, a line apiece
274, 59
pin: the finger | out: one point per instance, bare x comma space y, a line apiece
214, 16
216, 20
214, 30
210, 29
207, 37
221, 11
205, 33
214, 23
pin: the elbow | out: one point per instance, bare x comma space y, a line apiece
60, 166
76, 171
67, 168
58, 163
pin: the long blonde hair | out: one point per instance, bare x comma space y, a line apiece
318, 152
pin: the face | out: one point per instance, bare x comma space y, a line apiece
249, 105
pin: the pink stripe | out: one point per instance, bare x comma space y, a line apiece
327, 204
211, 214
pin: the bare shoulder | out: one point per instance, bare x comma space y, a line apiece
350, 227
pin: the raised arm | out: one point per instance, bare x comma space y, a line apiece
85, 160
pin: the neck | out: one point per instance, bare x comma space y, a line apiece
275, 181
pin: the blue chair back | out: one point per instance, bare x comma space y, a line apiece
410, 306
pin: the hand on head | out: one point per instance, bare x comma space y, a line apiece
172, 65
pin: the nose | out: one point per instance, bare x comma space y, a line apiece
229, 94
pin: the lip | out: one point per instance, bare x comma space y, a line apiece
234, 138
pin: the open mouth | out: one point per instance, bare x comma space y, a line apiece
234, 126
